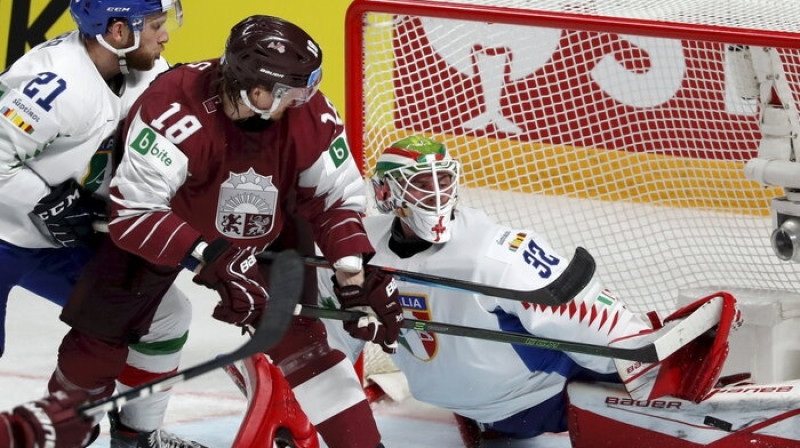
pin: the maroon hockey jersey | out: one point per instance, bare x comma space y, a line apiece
188, 171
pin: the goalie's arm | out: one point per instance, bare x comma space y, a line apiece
657, 349
572, 281
646, 353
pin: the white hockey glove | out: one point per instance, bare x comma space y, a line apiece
690, 372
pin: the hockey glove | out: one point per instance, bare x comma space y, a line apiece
54, 422
377, 297
233, 273
68, 212
693, 369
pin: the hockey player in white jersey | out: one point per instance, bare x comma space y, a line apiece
510, 391
60, 108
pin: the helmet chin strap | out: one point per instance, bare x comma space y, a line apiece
120, 52
265, 114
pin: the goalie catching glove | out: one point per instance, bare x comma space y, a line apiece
377, 297
692, 370
233, 273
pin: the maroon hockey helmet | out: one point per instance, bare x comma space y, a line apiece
265, 51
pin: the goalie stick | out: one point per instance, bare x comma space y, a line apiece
686, 330
562, 290
286, 284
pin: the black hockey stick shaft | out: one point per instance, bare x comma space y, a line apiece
562, 290
646, 353
286, 285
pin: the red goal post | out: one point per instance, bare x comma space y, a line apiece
613, 125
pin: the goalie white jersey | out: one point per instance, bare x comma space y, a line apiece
57, 124
485, 380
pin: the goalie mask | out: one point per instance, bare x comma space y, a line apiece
416, 179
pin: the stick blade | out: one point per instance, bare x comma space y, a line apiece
575, 277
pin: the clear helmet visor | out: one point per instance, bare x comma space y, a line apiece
283, 94
170, 19
297, 96
174, 15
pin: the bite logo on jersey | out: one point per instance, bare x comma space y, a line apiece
146, 143
16, 119
339, 151
247, 205
422, 344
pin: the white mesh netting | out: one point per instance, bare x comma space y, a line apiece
631, 145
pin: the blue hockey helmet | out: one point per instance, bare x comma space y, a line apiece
92, 16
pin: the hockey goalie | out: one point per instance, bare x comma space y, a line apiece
499, 389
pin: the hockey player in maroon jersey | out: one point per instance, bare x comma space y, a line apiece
223, 159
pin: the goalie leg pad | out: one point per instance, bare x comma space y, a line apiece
273, 411
691, 371
326, 386
602, 415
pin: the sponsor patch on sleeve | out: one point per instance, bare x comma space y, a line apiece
155, 150
338, 151
28, 117
506, 243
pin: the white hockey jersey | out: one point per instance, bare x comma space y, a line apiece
58, 120
485, 380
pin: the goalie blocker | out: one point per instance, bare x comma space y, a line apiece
602, 415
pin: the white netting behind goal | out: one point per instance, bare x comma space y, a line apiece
613, 125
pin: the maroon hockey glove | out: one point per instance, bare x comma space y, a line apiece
378, 298
233, 273
54, 422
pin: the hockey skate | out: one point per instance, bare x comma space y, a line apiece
125, 437
473, 433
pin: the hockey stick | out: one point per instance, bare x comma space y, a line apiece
686, 330
562, 290
286, 284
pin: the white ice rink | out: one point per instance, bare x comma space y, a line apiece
209, 408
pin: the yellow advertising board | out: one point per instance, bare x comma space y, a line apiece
24, 23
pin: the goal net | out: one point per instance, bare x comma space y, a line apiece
622, 126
